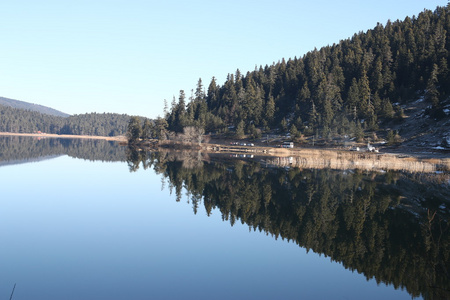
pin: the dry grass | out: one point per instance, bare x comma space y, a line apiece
311, 158
338, 159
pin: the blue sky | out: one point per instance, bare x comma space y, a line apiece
128, 56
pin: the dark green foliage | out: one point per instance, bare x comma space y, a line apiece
25, 121
134, 132
142, 129
390, 137
160, 131
432, 94
356, 80
240, 130
148, 129
104, 124
389, 226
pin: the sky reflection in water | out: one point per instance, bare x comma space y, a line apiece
76, 229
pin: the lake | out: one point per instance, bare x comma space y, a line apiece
84, 219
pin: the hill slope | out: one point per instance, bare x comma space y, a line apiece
32, 107
17, 120
391, 81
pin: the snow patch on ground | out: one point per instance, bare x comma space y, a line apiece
421, 99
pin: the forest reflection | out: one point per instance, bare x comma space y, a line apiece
18, 149
391, 226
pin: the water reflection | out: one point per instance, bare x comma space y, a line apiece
390, 226
18, 149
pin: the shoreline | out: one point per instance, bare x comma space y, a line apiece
331, 157
346, 159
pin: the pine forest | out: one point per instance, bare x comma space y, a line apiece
357, 86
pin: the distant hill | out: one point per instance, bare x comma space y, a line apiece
32, 107
26, 120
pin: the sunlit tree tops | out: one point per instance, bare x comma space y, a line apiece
332, 89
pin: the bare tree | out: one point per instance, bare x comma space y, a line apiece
192, 134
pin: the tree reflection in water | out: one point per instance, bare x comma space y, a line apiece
390, 226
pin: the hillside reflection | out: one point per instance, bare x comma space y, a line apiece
18, 149
390, 226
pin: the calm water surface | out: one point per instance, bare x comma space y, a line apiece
88, 228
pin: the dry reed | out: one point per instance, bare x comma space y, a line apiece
310, 158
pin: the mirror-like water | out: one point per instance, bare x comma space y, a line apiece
79, 225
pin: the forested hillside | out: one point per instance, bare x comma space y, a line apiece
20, 121
31, 106
362, 85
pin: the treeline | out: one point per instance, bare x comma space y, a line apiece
389, 226
140, 128
358, 84
26, 121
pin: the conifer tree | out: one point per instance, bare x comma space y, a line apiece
365, 105
353, 97
270, 110
240, 130
313, 117
213, 95
199, 92
147, 130
180, 113
134, 131
161, 128
432, 94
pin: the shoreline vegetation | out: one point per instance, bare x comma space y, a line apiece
315, 157
339, 159
302, 157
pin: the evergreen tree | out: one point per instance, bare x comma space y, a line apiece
313, 118
134, 131
161, 128
336, 86
270, 110
212, 98
365, 105
294, 131
147, 130
387, 109
199, 92
432, 93
353, 99
180, 118
240, 130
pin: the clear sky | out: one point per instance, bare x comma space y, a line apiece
128, 56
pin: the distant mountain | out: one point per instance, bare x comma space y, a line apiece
32, 107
